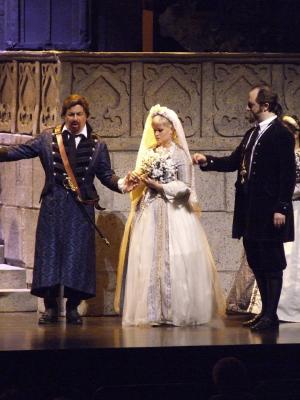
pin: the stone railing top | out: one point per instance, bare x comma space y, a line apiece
54, 55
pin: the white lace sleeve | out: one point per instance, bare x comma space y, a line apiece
179, 189
296, 195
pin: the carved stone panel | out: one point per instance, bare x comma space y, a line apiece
49, 96
231, 86
29, 95
177, 86
7, 93
107, 90
291, 84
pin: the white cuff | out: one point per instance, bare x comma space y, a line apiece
121, 185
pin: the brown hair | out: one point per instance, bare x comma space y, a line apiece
72, 101
267, 95
230, 375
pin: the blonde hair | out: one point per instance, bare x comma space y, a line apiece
162, 119
165, 121
291, 121
293, 125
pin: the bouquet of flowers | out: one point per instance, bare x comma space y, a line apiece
158, 165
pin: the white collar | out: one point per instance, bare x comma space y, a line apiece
83, 132
263, 125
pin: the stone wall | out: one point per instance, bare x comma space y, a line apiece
208, 91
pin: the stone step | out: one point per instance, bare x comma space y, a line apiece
1, 253
17, 300
12, 277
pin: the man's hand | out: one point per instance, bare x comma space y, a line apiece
199, 158
278, 220
131, 181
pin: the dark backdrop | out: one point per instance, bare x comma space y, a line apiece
179, 25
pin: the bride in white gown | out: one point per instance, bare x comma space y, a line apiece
170, 274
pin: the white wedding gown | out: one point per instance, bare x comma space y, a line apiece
289, 303
171, 277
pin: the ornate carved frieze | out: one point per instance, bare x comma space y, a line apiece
210, 95
177, 86
107, 88
291, 91
231, 86
49, 95
28, 97
7, 92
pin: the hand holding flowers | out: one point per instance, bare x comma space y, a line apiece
156, 168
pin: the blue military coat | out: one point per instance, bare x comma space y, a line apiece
65, 240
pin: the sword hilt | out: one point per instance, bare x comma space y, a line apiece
106, 241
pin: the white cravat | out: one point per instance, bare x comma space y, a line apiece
263, 127
78, 135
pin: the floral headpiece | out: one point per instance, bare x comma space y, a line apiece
164, 112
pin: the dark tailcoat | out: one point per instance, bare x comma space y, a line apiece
65, 240
269, 188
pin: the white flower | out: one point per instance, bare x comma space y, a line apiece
159, 165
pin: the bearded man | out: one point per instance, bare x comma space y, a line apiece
65, 235
263, 213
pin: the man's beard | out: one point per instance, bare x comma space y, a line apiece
74, 128
251, 118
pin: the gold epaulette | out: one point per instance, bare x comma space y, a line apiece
57, 129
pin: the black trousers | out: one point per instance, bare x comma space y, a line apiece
265, 256
51, 294
267, 260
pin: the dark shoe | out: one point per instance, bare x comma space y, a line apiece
252, 321
50, 316
73, 317
265, 323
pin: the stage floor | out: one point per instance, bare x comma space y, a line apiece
20, 331
145, 362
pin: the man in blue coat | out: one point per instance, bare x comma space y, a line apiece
263, 213
65, 237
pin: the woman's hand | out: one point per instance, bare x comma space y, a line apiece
153, 184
